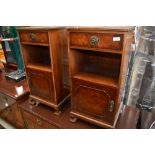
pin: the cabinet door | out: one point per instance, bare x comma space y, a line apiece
94, 102
41, 84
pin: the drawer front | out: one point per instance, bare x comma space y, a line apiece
34, 122
96, 102
41, 84
5, 101
34, 37
109, 41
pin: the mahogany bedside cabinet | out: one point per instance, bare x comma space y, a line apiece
44, 51
98, 59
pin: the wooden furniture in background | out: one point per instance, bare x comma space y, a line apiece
44, 51
11, 95
43, 117
98, 59
8, 53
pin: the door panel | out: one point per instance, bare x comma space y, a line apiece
93, 101
41, 84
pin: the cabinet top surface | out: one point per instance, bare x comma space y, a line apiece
88, 28
40, 27
11, 88
103, 28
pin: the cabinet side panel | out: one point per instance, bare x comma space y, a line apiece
58, 49
128, 40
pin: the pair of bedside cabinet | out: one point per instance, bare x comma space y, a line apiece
90, 61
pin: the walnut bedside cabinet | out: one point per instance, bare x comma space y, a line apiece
44, 51
98, 59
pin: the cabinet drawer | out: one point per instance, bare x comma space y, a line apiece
34, 37
94, 101
34, 122
109, 41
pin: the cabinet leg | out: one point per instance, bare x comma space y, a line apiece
57, 112
73, 119
31, 101
34, 102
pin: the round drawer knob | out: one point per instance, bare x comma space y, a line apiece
94, 40
39, 121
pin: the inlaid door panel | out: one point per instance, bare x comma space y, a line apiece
94, 101
41, 84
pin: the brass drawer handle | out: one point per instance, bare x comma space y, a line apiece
39, 122
94, 40
32, 37
111, 105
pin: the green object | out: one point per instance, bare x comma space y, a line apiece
11, 32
